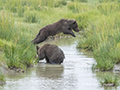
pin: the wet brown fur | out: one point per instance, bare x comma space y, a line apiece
52, 53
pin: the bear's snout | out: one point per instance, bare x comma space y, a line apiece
76, 30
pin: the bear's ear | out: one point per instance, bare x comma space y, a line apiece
74, 22
37, 47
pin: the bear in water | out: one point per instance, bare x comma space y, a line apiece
52, 53
63, 25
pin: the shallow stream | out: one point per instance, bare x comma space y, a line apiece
74, 74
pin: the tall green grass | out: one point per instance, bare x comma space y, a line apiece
102, 35
20, 52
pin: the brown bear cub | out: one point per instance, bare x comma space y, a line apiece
63, 25
52, 53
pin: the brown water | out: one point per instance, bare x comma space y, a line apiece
74, 74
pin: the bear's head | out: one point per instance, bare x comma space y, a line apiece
73, 25
40, 53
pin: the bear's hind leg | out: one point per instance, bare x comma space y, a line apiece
40, 39
35, 37
47, 60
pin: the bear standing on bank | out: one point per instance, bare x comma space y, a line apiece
63, 25
52, 53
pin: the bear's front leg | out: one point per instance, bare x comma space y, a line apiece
69, 32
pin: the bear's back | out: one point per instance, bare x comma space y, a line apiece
53, 52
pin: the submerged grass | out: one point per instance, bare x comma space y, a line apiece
109, 80
2, 77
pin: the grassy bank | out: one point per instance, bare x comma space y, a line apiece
102, 35
16, 46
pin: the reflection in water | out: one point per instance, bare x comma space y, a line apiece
54, 78
74, 74
49, 71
